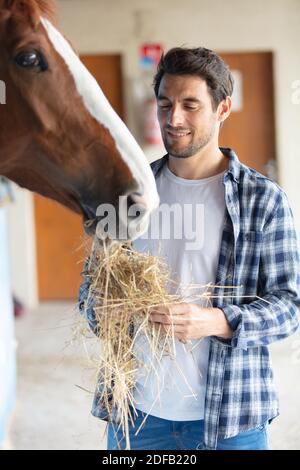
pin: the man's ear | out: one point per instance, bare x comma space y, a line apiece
224, 109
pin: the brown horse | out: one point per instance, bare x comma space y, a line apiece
59, 136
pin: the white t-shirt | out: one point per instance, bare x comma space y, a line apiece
188, 237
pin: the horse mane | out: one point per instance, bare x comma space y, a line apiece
33, 8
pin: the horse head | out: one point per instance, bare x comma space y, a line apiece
59, 136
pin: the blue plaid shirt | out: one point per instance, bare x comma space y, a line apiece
259, 257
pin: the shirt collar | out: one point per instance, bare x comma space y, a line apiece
233, 167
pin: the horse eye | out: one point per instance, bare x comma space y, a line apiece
31, 60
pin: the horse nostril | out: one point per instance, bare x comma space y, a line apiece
132, 202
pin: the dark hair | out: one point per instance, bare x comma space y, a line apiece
201, 62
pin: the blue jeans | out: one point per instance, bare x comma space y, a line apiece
162, 434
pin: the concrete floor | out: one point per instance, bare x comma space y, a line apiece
53, 413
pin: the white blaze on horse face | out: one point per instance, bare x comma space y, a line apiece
99, 107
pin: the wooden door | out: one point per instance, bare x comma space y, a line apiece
250, 130
60, 237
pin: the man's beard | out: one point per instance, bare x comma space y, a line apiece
190, 150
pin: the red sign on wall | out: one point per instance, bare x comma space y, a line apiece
150, 55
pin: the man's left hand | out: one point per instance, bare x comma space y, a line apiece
190, 321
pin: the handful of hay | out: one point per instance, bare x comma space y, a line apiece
125, 285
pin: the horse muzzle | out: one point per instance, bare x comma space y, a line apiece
127, 220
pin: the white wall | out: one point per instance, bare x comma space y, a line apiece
118, 26
7, 337
22, 252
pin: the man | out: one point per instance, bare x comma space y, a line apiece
218, 393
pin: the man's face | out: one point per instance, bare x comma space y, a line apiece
185, 114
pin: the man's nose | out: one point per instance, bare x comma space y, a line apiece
175, 118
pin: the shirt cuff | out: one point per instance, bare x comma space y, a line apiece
233, 315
